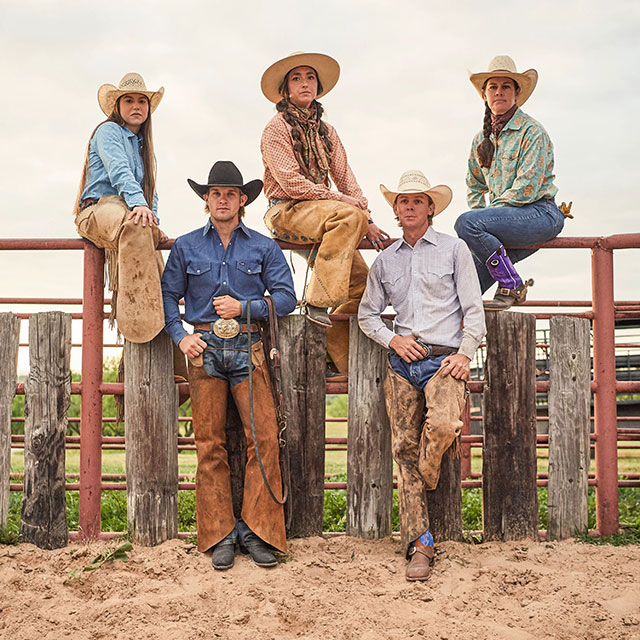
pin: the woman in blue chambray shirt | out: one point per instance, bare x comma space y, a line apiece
116, 207
511, 160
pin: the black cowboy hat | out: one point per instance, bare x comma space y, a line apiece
225, 174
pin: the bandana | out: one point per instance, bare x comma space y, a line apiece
498, 122
309, 148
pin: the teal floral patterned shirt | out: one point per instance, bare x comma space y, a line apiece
522, 167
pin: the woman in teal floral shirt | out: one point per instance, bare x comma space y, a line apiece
511, 160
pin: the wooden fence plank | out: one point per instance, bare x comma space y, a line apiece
151, 426
369, 458
303, 348
569, 409
510, 498
47, 399
9, 339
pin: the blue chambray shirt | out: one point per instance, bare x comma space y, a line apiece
115, 166
199, 268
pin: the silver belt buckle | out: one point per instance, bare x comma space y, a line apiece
226, 328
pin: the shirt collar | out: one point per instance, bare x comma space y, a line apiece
517, 121
240, 226
430, 235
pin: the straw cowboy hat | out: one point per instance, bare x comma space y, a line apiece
327, 68
225, 174
130, 83
414, 181
505, 67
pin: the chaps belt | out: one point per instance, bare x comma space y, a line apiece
226, 328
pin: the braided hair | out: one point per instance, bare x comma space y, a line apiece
486, 148
281, 107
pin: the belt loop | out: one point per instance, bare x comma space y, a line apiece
211, 327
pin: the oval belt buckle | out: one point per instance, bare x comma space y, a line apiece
226, 328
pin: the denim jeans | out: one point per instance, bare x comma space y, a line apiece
241, 533
417, 373
485, 230
227, 358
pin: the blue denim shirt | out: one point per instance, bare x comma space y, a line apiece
115, 166
199, 268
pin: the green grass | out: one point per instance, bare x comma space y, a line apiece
114, 508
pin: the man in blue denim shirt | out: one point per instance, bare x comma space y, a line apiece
223, 270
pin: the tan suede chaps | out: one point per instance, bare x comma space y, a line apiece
214, 508
338, 271
418, 443
134, 266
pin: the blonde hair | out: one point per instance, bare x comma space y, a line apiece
147, 153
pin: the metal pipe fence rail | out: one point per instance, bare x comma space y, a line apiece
604, 386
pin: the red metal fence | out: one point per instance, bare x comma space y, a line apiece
604, 311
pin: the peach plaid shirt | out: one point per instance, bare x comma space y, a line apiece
282, 176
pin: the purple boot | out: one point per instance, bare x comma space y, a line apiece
511, 289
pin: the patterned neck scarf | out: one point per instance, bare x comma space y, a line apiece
498, 122
309, 147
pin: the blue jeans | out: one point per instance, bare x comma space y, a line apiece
485, 230
241, 533
417, 373
227, 358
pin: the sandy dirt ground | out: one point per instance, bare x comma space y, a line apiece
338, 587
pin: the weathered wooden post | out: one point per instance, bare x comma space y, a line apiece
47, 398
9, 340
303, 348
151, 426
510, 498
569, 396
369, 458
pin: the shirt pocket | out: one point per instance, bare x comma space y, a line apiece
394, 287
198, 268
440, 281
249, 267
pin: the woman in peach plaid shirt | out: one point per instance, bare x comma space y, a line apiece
300, 152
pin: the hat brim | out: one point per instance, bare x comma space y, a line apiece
441, 195
108, 95
326, 67
527, 82
252, 189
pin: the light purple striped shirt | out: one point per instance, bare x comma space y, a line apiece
434, 290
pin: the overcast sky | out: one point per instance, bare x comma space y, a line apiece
403, 101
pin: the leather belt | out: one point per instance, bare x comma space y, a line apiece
244, 328
435, 350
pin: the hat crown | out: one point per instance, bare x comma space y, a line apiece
225, 173
413, 181
132, 82
502, 63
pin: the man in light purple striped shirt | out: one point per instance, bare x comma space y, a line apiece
430, 280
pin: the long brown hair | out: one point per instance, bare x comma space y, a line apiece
486, 148
147, 153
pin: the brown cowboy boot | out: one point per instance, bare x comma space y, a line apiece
445, 399
420, 563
